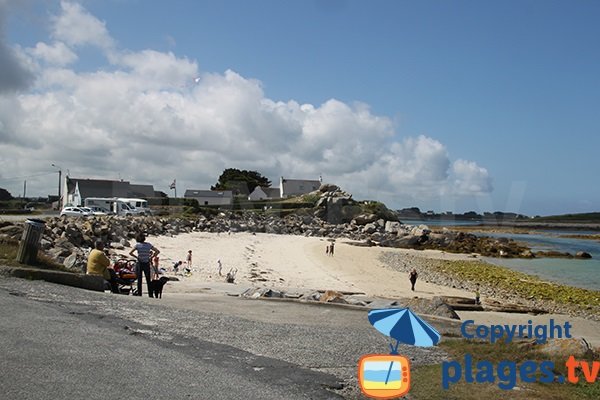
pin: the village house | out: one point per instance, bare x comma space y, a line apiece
297, 187
264, 193
76, 190
210, 197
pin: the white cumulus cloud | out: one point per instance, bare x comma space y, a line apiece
58, 53
154, 116
75, 26
470, 178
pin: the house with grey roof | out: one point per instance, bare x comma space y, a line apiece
76, 190
210, 197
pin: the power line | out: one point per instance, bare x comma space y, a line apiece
26, 176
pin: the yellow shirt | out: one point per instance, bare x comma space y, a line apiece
98, 263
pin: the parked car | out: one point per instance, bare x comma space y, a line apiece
74, 212
100, 210
91, 211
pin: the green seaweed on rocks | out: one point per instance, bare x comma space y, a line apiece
522, 285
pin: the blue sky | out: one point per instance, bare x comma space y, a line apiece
469, 105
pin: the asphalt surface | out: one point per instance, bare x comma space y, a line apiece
60, 342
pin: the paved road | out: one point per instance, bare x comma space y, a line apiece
23, 217
58, 342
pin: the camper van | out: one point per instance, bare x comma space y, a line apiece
118, 207
139, 205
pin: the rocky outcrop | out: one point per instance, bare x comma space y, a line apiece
65, 237
583, 254
435, 306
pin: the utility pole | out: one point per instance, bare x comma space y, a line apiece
59, 183
24, 189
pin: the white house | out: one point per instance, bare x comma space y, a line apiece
210, 197
264, 193
297, 187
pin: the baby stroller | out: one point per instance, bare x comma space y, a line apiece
126, 276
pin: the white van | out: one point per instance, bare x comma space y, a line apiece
139, 205
118, 207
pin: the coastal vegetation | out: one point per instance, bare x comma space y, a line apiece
521, 285
422, 376
593, 217
8, 256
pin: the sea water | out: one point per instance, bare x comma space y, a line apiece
584, 273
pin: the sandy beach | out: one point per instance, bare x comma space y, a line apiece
300, 264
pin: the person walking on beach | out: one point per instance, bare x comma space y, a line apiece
145, 252
327, 250
219, 267
331, 250
412, 277
477, 301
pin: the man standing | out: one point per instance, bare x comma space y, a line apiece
413, 278
99, 264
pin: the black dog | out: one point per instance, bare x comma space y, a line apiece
156, 287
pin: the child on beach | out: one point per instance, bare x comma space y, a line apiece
477, 295
176, 266
155, 267
189, 259
219, 267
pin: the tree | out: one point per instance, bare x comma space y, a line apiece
5, 195
241, 182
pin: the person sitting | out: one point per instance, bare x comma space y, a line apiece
176, 266
98, 264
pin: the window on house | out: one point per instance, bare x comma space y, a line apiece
206, 203
301, 187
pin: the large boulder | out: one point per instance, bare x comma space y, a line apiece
392, 226
328, 187
564, 348
370, 228
583, 254
407, 241
364, 219
434, 306
420, 230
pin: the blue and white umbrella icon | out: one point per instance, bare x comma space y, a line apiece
404, 326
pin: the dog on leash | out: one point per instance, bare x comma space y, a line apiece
156, 287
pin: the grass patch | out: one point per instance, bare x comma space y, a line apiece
8, 256
522, 285
426, 381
